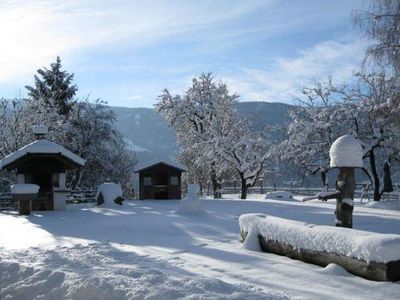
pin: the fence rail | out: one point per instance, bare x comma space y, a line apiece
361, 191
7, 202
81, 196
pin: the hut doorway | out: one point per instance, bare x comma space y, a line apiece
161, 185
44, 200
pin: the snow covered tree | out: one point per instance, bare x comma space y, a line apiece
199, 174
375, 122
192, 115
237, 146
211, 133
13, 131
53, 89
91, 134
315, 124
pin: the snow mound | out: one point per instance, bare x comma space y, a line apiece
20, 282
251, 242
334, 269
21, 188
191, 203
40, 129
110, 192
279, 195
384, 204
362, 245
346, 151
100, 271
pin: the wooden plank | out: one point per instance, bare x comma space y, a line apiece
377, 271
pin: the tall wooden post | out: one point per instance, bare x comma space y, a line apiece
346, 154
345, 184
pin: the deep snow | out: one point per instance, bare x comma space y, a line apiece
143, 249
191, 204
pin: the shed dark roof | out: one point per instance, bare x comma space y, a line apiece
152, 163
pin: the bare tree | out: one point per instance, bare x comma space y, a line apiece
381, 24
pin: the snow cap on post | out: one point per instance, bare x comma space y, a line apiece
39, 130
21, 188
346, 151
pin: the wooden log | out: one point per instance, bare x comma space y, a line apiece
377, 271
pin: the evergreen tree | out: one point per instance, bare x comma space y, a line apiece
54, 89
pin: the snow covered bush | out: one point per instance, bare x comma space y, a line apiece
110, 192
279, 195
191, 203
119, 200
100, 198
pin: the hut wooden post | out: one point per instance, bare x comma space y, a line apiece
346, 185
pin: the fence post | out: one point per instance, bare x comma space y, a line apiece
262, 186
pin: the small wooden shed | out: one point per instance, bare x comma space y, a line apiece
44, 163
160, 179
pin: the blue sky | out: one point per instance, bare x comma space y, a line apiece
126, 52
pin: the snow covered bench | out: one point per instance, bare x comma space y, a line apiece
370, 255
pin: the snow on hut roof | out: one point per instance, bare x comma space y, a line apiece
41, 146
154, 162
346, 151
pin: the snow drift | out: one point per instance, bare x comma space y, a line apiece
99, 271
191, 203
279, 195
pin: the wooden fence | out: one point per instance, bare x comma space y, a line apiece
89, 195
362, 191
7, 202
81, 196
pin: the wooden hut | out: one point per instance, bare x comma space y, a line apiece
160, 179
44, 163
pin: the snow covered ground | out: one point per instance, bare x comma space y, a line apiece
144, 250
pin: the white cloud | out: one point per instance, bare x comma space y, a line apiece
134, 97
283, 80
34, 32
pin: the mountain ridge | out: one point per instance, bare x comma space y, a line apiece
147, 133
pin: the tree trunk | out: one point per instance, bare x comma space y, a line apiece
216, 185
387, 179
75, 178
345, 184
324, 182
377, 195
244, 187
